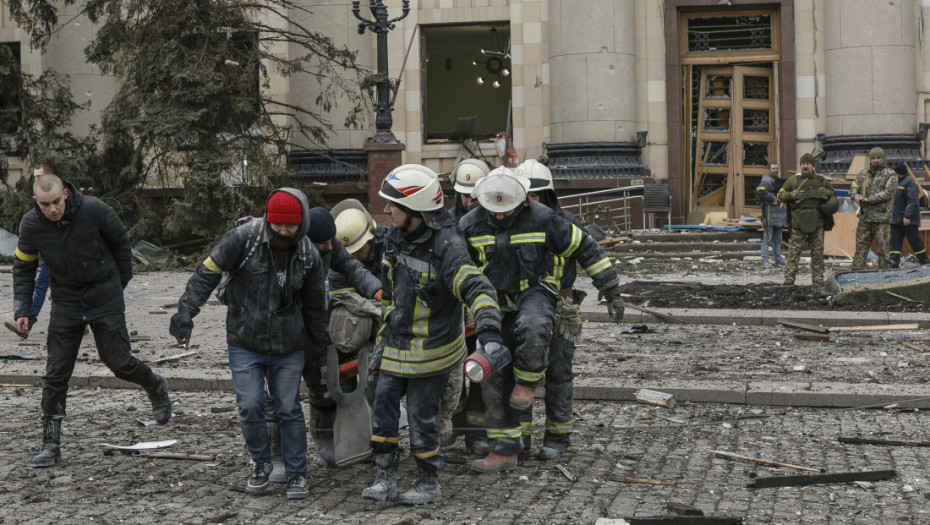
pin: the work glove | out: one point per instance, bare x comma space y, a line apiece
614, 304
568, 321
487, 337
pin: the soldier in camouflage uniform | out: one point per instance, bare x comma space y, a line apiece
874, 191
810, 196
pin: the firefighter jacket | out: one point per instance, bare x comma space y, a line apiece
878, 185
521, 256
340, 262
340, 282
427, 276
809, 197
905, 202
276, 298
88, 254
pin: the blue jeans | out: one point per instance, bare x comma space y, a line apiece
248, 383
38, 295
772, 234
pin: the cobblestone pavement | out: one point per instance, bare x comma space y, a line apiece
614, 439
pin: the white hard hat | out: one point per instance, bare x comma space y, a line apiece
467, 174
354, 225
413, 186
501, 191
539, 175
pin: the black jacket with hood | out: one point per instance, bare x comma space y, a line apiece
271, 310
88, 254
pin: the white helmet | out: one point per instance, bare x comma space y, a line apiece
539, 175
467, 174
413, 186
354, 225
501, 191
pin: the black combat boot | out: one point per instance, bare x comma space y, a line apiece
425, 490
50, 454
385, 487
161, 402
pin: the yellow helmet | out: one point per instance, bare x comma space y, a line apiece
354, 225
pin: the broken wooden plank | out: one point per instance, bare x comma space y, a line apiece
899, 296
823, 338
660, 315
912, 346
612, 241
174, 357
875, 327
684, 520
138, 338
178, 455
760, 461
803, 326
655, 398
885, 442
647, 481
821, 479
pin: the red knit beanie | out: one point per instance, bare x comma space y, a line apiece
284, 208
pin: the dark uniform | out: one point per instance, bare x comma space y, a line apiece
906, 207
517, 261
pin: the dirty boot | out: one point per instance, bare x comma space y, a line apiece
551, 450
321, 431
526, 442
495, 463
424, 490
161, 402
522, 397
385, 486
278, 473
50, 454
258, 481
477, 446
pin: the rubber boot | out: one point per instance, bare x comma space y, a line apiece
161, 402
495, 463
50, 454
321, 431
424, 490
278, 471
477, 445
522, 397
551, 450
385, 486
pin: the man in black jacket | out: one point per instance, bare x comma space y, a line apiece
276, 322
89, 255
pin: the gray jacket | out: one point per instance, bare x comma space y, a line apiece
271, 310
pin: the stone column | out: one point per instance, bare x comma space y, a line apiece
870, 69
871, 94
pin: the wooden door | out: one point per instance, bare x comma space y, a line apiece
735, 138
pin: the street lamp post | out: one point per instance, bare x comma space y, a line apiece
380, 25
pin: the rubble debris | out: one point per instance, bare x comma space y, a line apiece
913, 346
145, 445
612, 241
821, 479
138, 338
28, 355
660, 315
655, 398
885, 442
568, 475
875, 327
823, 338
733, 455
899, 296
803, 326
683, 520
175, 357
647, 481
634, 329
148, 253
680, 509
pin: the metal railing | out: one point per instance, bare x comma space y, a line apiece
610, 209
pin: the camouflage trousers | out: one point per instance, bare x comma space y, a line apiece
866, 232
796, 246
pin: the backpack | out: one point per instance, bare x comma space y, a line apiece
254, 239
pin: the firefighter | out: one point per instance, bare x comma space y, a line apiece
464, 177
513, 241
426, 277
567, 330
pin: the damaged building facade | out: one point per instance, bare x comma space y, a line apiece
701, 94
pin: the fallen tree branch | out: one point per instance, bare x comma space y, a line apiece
760, 461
